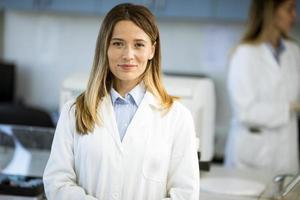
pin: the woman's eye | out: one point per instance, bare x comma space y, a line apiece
138, 45
117, 44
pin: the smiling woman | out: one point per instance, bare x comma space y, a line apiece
125, 137
129, 51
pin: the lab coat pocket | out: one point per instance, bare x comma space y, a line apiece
253, 148
156, 163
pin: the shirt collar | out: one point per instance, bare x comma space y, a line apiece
137, 94
276, 51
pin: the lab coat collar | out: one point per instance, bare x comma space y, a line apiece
149, 99
267, 53
276, 52
137, 94
152, 101
142, 118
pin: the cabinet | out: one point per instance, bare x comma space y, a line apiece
1, 5
14, 4
105, 5
231, 9
235, 10
86, 6
161, 8
96, 7
50, 5
167, 8
192, 9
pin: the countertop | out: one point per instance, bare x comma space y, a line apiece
39, 159
220, 171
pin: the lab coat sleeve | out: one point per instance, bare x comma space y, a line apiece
249, 109
59, 175
183, 177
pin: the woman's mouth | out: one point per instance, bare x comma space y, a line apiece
127, 66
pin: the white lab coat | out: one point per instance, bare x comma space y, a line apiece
156, 160
261, 91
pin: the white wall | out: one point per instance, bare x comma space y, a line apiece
48, 47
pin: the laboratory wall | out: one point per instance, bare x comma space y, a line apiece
48, 47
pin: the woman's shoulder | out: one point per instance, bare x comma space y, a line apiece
247, 48
245, 53
291, 45
179, 110
68, 109
291, 42
178, 106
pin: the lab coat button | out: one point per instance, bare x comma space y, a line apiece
115, 196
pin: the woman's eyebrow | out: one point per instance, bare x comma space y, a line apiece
135, 40
140, 40
119, 39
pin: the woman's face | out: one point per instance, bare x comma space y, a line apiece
128, 53
285, 16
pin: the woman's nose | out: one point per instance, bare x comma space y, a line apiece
128, 53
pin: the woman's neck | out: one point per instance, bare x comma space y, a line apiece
274, 37
123, 87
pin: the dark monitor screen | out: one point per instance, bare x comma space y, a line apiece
7, 82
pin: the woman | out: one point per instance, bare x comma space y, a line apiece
264, 87
125, 137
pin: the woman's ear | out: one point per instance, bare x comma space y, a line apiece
152, 51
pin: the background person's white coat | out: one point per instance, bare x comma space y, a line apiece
261, 91
157, 157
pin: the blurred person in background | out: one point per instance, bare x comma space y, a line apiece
124, 137
264, 87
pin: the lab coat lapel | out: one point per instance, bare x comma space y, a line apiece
272, 70
266, 53
138, 127
140, 124
108, 118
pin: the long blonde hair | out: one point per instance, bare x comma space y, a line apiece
100, 80
260, 20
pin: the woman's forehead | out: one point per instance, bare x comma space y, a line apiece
126, 29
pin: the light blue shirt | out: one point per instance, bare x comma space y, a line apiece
125, 108
277, 51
